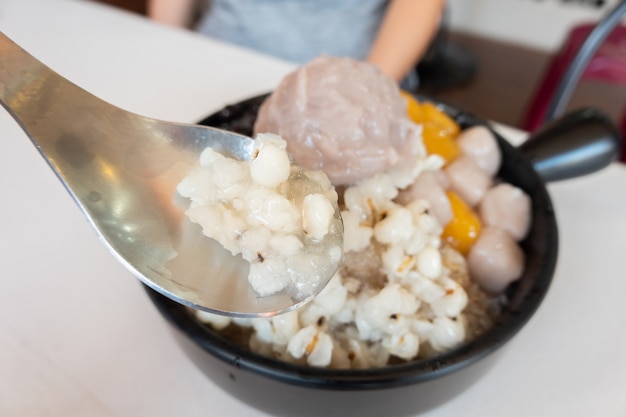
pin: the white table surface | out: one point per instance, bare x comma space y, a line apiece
78, 336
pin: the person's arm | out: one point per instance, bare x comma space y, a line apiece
404, 35
172, 12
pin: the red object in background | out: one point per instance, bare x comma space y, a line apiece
623, 130
608, 64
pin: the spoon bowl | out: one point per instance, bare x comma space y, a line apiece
122, 169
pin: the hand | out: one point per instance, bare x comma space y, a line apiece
404, 35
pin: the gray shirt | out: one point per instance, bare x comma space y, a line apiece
296, 30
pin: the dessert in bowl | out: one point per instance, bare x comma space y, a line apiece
315, 363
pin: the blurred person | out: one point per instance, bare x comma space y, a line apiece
392, 34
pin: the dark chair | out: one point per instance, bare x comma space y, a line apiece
445, 64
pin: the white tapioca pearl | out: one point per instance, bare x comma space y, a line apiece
429, 262
317, 214
271, 167
286, 245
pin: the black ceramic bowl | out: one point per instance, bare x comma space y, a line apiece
285, 389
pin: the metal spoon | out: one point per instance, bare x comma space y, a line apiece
122, 170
